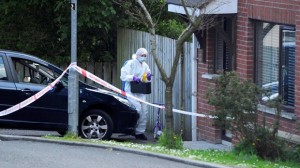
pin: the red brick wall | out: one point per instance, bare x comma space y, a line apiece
278, 11
206, 130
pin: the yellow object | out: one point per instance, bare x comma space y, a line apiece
144, 78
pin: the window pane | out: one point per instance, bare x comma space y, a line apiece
288, 67
275, 61
32, 72
223, 59
3, 75
267, 48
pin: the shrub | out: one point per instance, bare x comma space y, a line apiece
262, 144
174, 143
235, 103
237, 100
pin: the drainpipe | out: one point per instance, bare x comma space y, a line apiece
194, 87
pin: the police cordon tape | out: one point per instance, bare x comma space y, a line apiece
95, 79
113, 88
34, 97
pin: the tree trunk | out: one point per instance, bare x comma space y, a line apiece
168, 108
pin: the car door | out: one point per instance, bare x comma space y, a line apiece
7, 88
48, 112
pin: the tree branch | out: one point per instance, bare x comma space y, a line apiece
151, 27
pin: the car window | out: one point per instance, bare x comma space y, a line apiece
32, 72
3, 75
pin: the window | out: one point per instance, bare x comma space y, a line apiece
3, 75
275, 61
32, 72
224, 49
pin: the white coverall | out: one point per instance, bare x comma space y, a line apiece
135, 68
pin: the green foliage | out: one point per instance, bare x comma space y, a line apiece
25, 26
268, 147
43, 28
70, 135
170, 140
167, 24
213, 156
236, 103
171, 28
262, 144
97, 26
291, 152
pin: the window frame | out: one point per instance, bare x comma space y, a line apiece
33, 71
220, 58
4, 78
286, 108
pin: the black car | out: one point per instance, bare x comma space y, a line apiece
101, 112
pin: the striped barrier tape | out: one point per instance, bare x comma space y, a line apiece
115, 89
109, 86
34, 97
95, 79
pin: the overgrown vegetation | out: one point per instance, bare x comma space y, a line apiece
43, 28
236, 102
213, 156
175, 142
166, 23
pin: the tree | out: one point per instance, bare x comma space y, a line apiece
42, 28
137, 10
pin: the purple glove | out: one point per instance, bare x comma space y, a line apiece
149, 76
136, 79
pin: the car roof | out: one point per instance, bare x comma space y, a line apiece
27, 56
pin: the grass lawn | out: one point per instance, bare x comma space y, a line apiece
227, 158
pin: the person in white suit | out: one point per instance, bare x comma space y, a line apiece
134, 71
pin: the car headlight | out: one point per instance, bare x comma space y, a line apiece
124, 101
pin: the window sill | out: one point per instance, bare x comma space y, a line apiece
210, 76
263, 108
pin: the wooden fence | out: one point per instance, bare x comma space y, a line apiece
129, 41
104, 70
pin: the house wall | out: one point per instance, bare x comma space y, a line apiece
206, 129
280, 12
276, 11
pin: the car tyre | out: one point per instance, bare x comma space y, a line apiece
95, 124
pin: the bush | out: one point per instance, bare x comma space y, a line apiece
291, 152
237, 99
174, 143
262, 144
235, 103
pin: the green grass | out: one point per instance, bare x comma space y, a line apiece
227, 158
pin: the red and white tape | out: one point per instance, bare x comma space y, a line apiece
109, 86
34, 97
95, 79
113, 88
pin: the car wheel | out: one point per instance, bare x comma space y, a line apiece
96, 124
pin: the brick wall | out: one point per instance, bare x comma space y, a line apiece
277, 11
206, 129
